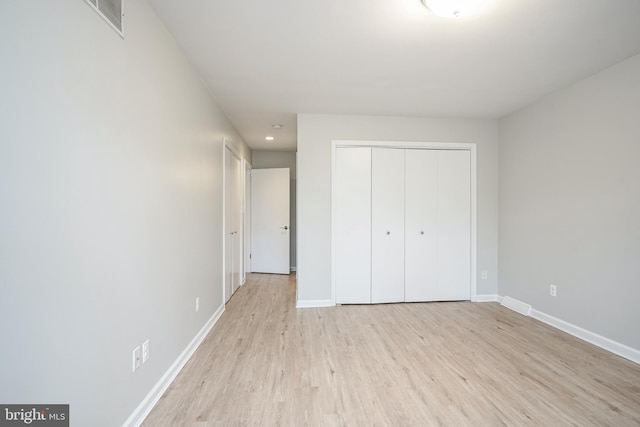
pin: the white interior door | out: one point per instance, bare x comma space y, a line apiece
233, 222
421, 225
352, 216
387, 225
270, 221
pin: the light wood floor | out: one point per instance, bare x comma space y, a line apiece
267, 363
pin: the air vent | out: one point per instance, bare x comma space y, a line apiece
111, 11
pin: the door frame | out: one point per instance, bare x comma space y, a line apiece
236, 152
468, 146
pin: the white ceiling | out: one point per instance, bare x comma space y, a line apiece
266, 61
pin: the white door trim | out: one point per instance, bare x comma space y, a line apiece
471, 147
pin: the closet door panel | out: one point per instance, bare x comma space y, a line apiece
353, 225
454, 225
421, 225
387, 225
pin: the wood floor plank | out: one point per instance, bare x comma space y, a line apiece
266, 363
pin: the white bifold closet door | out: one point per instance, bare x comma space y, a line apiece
437, 225
454, 226
387, 225
402, 224
421, 228
352, 227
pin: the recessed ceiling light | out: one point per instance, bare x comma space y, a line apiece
277, 126
269, 138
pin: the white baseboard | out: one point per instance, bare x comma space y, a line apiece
516, 305
588, 336
314, 303
605, 343
145, 407
486, 298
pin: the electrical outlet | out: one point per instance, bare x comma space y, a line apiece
484, 274
145, 351
197, 304
136, 358
552, 290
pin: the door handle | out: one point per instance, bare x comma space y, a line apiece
286, 227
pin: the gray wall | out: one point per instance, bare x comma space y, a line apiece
282, 159
315, 133
570, 204
111, 206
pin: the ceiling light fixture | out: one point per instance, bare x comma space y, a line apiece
453, 8
269, 138
277, 126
